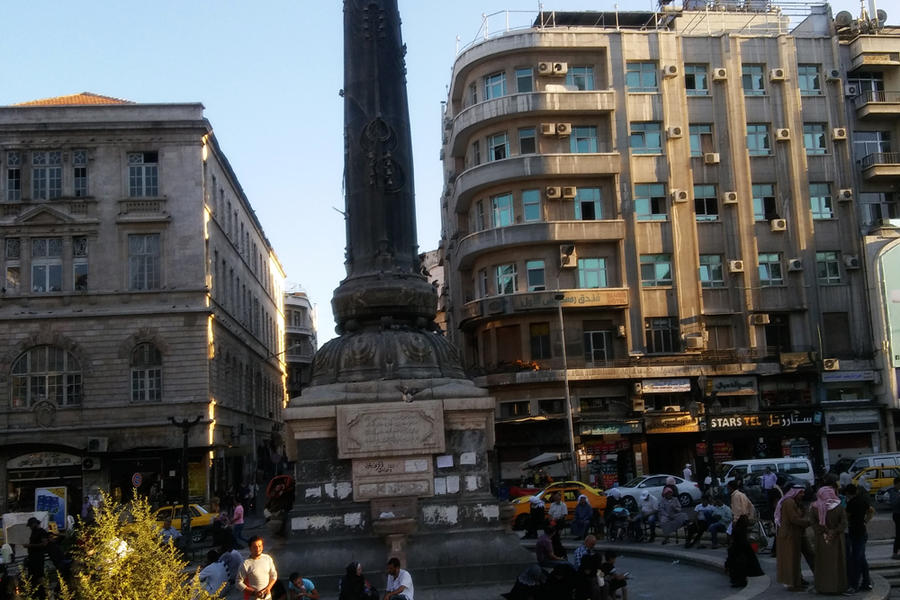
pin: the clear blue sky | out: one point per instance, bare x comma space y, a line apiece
268, 74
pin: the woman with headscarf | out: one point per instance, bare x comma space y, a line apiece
830, 524
741, 562
537, 517
528, 585
649, 508
671, 517
790, 524
583, 514
353, 585
671, 485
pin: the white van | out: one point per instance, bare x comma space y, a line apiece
887, 459
798, 466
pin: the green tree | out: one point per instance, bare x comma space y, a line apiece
123, 557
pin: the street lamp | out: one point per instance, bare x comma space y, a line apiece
562, 332
185, 426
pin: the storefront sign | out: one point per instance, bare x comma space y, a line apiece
665, 386
619, 428
43, 460
852, 421
734, 386
671, 424
773, 420
595, 297
52, 500
842, 376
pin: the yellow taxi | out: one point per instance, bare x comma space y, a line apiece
201, 519
876, 479
570, 491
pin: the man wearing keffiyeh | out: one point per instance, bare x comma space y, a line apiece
790, 523
831, 558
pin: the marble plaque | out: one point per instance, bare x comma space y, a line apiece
390, 429
389, 477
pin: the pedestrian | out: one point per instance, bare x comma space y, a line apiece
740, 504
214, 575
586, 547
670, 484
353, 586
399, 582
300, 587
37, 544
536, 517
741, 562
829, 524
237, 524
528, 584
859, 512
671, 517
587, 563
687, 472
257, 574
584, 512
790, 528
698, 527
558, 509
544, 551
769, 483
720, 521
614, 580
649, 509
894, 500
232, 560
168, 532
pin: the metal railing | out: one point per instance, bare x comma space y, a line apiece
874, 96
880, 158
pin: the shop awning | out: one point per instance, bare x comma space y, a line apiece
547, 458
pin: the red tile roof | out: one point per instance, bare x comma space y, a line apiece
81, 99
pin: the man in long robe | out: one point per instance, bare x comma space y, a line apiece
791, 523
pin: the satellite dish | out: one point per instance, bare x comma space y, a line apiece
882, 16
843, 19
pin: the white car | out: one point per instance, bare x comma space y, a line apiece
688, 491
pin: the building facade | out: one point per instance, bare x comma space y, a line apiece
300, 340
139, 292
654, 215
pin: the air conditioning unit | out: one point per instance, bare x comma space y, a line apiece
720, 74
97, 444
782, 134
776, 74
851, 91
833, 75
735, 266
694, 342
831, 364
560, 69
569, 191
711, 158
620, 331
553, 192
672, 408
545, 68
845, 195
778, 224
90, 463
674, 132
548, 128
670, 71
637, 403
568, 259
730, 198
759, 319
563, 129
679, 195
638, 389
851, 261
839, 133
795, 264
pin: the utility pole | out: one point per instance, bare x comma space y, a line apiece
185, 425
569, 420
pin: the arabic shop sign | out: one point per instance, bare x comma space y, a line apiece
666, 386
674, 423
734, 386
43, 460
773, 420
622, 428
586, 298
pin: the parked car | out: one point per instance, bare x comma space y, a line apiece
886, 459
877, 478
201, 519
570, 491
688, 491
798, 466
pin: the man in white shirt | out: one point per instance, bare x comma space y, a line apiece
214, 575
257, 574
399, 582
688, 472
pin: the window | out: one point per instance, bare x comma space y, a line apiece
507, 280
46, 265
656, 270
498, 146
645, 138
534, 270
509, 410
808, 80
828, 267
524, 80
482, 283
867, 83
494, 86
711, 272
146, 374
820, 201
143, 174
650, 201
479, 216
814, 138
580, 78
661, 335
46, 175
641, 77
539, 335
583, 139
46, 373
597, 343
473, 94
591, 272
866, 143
12, 252
527, 141
770, 273
758, 139
778, 333
836, 326
13, 176
752, 80
80, 173
143, 261
701, 139
764, 208
706, 205
531, 205
502, 211
80, 264
695, 80
878, 206
588, 204
476, 153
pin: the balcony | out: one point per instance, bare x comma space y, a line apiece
521, 302
531, 234
877, 104
533, 167
880, 166
874, 52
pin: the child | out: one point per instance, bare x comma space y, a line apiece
614, 581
